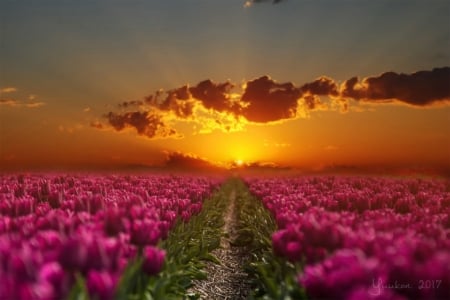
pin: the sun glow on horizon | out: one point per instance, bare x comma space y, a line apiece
239, 162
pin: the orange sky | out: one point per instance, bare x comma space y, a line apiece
380, 135
298, 84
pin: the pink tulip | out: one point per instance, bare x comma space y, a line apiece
153, 260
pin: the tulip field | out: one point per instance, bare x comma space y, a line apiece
61, 237
153, 236
362, 238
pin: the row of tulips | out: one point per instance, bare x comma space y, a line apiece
56, 231
362, 238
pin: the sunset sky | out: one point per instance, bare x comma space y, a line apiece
300, 83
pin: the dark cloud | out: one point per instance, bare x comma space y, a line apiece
420, 88
131, 103
177, 102
184, 161
348, 89
266, 100
214, 96
321, 86
146, 124
181, 101
311, 101
182, 93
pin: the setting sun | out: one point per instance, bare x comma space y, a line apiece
239, 162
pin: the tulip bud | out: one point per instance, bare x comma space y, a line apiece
153, 260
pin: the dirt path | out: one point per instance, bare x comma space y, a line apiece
227, 280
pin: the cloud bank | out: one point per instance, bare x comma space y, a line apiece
420, 89
227, 106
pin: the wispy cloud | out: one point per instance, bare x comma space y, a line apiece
20, 104
8, 102
7, 90
97, 124
12, 100
71, 128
